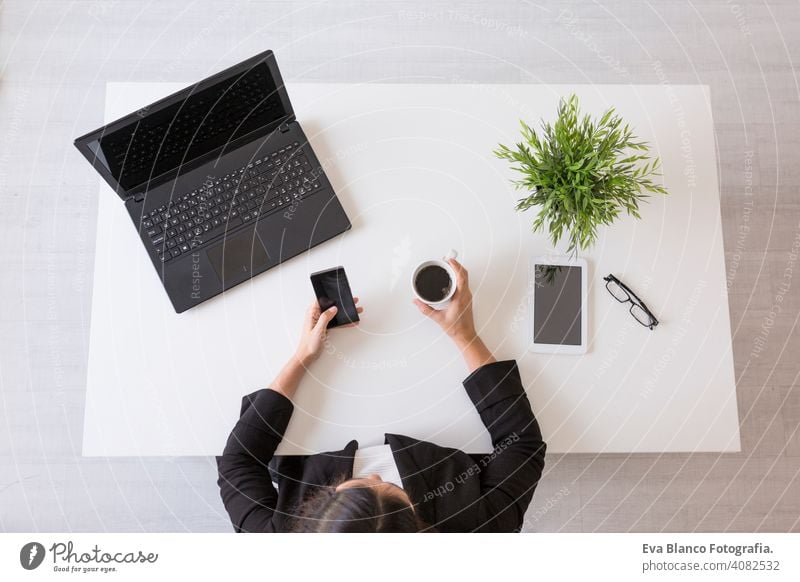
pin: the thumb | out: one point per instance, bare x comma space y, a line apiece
427, 310
325, 318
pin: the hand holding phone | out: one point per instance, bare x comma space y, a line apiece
332, 288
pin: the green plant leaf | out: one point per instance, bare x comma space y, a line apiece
580, 173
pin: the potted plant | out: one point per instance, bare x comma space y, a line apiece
580, 173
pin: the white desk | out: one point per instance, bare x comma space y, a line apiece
413, 167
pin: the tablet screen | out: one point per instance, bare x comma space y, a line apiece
557, 305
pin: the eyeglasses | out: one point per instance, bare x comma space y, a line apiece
623, 294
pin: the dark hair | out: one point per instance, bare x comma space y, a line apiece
356, 510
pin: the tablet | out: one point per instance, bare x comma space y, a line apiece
558, 305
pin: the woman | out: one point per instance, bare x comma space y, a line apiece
406, 485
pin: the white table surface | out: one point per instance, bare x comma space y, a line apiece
413, 168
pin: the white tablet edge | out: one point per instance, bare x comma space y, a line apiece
559, 348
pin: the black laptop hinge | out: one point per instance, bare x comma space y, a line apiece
284, 127
138, 197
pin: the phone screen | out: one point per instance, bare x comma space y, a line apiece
331, 288
557, 305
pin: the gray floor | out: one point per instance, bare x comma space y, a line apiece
56, 57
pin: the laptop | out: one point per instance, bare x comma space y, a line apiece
219, 180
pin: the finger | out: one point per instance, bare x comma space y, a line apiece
359, 310
312, 314
325, 318
355, 299
462, 276
427, 310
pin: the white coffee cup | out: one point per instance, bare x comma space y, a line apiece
444, 302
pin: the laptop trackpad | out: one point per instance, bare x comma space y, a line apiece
238, 257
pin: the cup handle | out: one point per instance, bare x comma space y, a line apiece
451, 254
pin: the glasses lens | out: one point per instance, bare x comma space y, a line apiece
618, 292
641, 315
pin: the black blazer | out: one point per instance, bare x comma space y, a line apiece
451, 491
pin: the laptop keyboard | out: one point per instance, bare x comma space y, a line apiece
270, 183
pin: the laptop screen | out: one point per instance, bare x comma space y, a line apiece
157, 142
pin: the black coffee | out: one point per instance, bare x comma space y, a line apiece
433, 283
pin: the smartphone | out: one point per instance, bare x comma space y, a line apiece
332, 288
